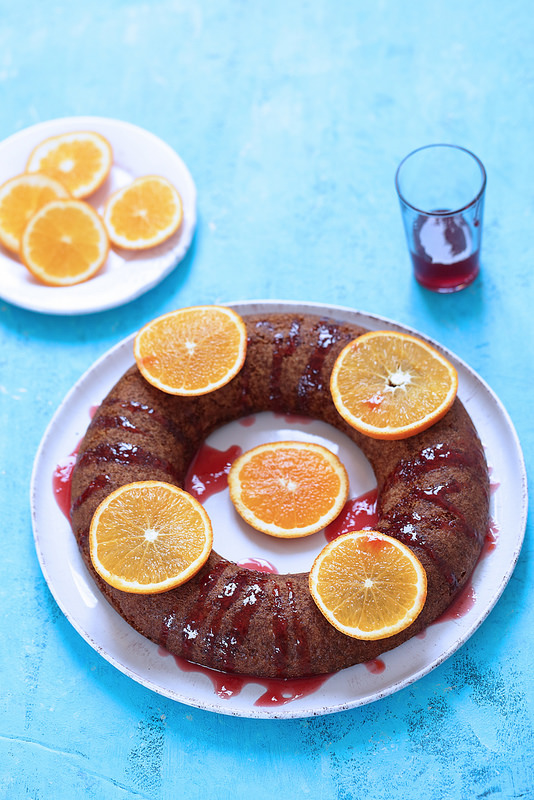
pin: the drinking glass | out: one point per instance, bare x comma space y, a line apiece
441, 190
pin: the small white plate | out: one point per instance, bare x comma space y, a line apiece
91, 615
126, 274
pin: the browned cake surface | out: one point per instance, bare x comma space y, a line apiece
433, 496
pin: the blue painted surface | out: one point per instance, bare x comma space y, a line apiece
292, 118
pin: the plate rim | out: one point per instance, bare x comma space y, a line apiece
286, 711
55, 126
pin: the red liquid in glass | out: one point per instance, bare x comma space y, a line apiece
445, 277
443, 257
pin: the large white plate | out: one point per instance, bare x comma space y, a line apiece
135, 656
126, 274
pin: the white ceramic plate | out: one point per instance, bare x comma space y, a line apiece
143, 661
126, 274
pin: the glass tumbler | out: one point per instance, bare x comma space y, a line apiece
441, 190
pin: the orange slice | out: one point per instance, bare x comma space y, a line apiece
20, 198
288, 489
143, 214
80, 160
192, 351
64, 243
368, 585
391, 385
148, 537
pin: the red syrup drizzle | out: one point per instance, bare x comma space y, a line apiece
237, 589
462, 604
62, 476
62, 482
278, 691
357, 514
403, 524
283, 347
248, 598
295, 419
247, 422
258, 564
326, 334
376, 666
127, 453
490, 540
466, 600
208, 473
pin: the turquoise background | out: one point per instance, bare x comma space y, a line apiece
292, 118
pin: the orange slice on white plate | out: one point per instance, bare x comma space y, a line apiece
144, 213
64, 243
20, 198
80, 160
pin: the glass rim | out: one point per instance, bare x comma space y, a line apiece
471, 203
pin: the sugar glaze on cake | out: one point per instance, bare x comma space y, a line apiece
433, 495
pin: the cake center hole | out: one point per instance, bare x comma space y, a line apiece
233, 538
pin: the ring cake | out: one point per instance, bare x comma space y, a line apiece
433, 495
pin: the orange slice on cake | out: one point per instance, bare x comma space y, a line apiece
144, 213
64, 243
288, 489
391, 385
149, 537
80, 160
368, 585
192, 351
20, 198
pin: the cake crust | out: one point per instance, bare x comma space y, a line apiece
433, 495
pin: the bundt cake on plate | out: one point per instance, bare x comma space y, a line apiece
433, 495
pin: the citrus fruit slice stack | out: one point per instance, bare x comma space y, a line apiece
192, 351
80, 160
144, 213
391, 385
368, 585
288, 489
64, 243
20, 198
149, 537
